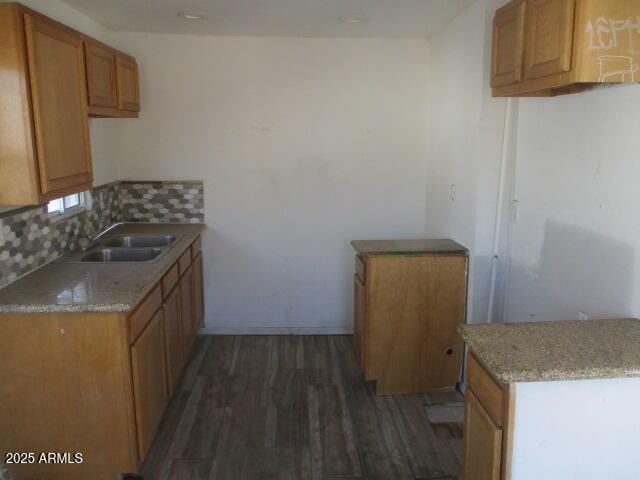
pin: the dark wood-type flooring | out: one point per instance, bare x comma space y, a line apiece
291, 407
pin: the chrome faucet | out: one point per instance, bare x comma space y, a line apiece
87, 241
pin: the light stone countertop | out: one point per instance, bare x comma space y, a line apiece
407, 247
96, 287
554, 351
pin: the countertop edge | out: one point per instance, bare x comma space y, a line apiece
533, 375
9, 309
459, 250
119, 307
552, 375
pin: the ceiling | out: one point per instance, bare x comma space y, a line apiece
297, 18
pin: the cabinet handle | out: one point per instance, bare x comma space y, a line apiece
449, 351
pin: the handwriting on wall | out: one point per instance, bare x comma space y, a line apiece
610, 34
621, 38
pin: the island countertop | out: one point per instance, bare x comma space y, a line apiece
96, 287
554, 351
407, 247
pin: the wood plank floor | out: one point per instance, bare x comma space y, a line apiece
291, 407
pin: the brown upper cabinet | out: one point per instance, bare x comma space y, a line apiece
112, 80
101, 75
44, 132
51, 79
553, 47
128, 88
508, 41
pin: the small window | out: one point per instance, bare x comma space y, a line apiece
66, 206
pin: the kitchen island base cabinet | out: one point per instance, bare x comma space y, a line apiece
407, 309
563, 396
482, 444
359, 295
488, 425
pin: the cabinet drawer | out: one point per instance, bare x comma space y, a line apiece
139, 319
196, 247
361, 269
489, 392
170, 280
185, 261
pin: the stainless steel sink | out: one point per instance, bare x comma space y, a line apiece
131, 241
122, 255
129, 247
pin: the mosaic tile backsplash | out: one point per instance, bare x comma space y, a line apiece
162, 202
30, 238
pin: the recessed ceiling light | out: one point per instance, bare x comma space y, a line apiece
191, 15
353, 20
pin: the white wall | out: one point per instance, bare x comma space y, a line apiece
578, 430
575, 240
576, 243
303, 144
466, 128
102, 131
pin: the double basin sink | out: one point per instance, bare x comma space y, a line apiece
128, 248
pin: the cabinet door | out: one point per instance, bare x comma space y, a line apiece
198, 292
508, 44
149, 381
359, 318
174, 339
58, 91
101, 75
549, 37
128, 87
187, 309
482, 442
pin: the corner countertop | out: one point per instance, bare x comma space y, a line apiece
96, 287
555, 351
407, 247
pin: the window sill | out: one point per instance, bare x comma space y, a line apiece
74, 212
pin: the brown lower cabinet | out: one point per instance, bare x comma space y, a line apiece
359, 307
174, 338
148, 360
407, 309
96, 384
187, 308
488, 425
198, 291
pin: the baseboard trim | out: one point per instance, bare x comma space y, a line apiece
276, 331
